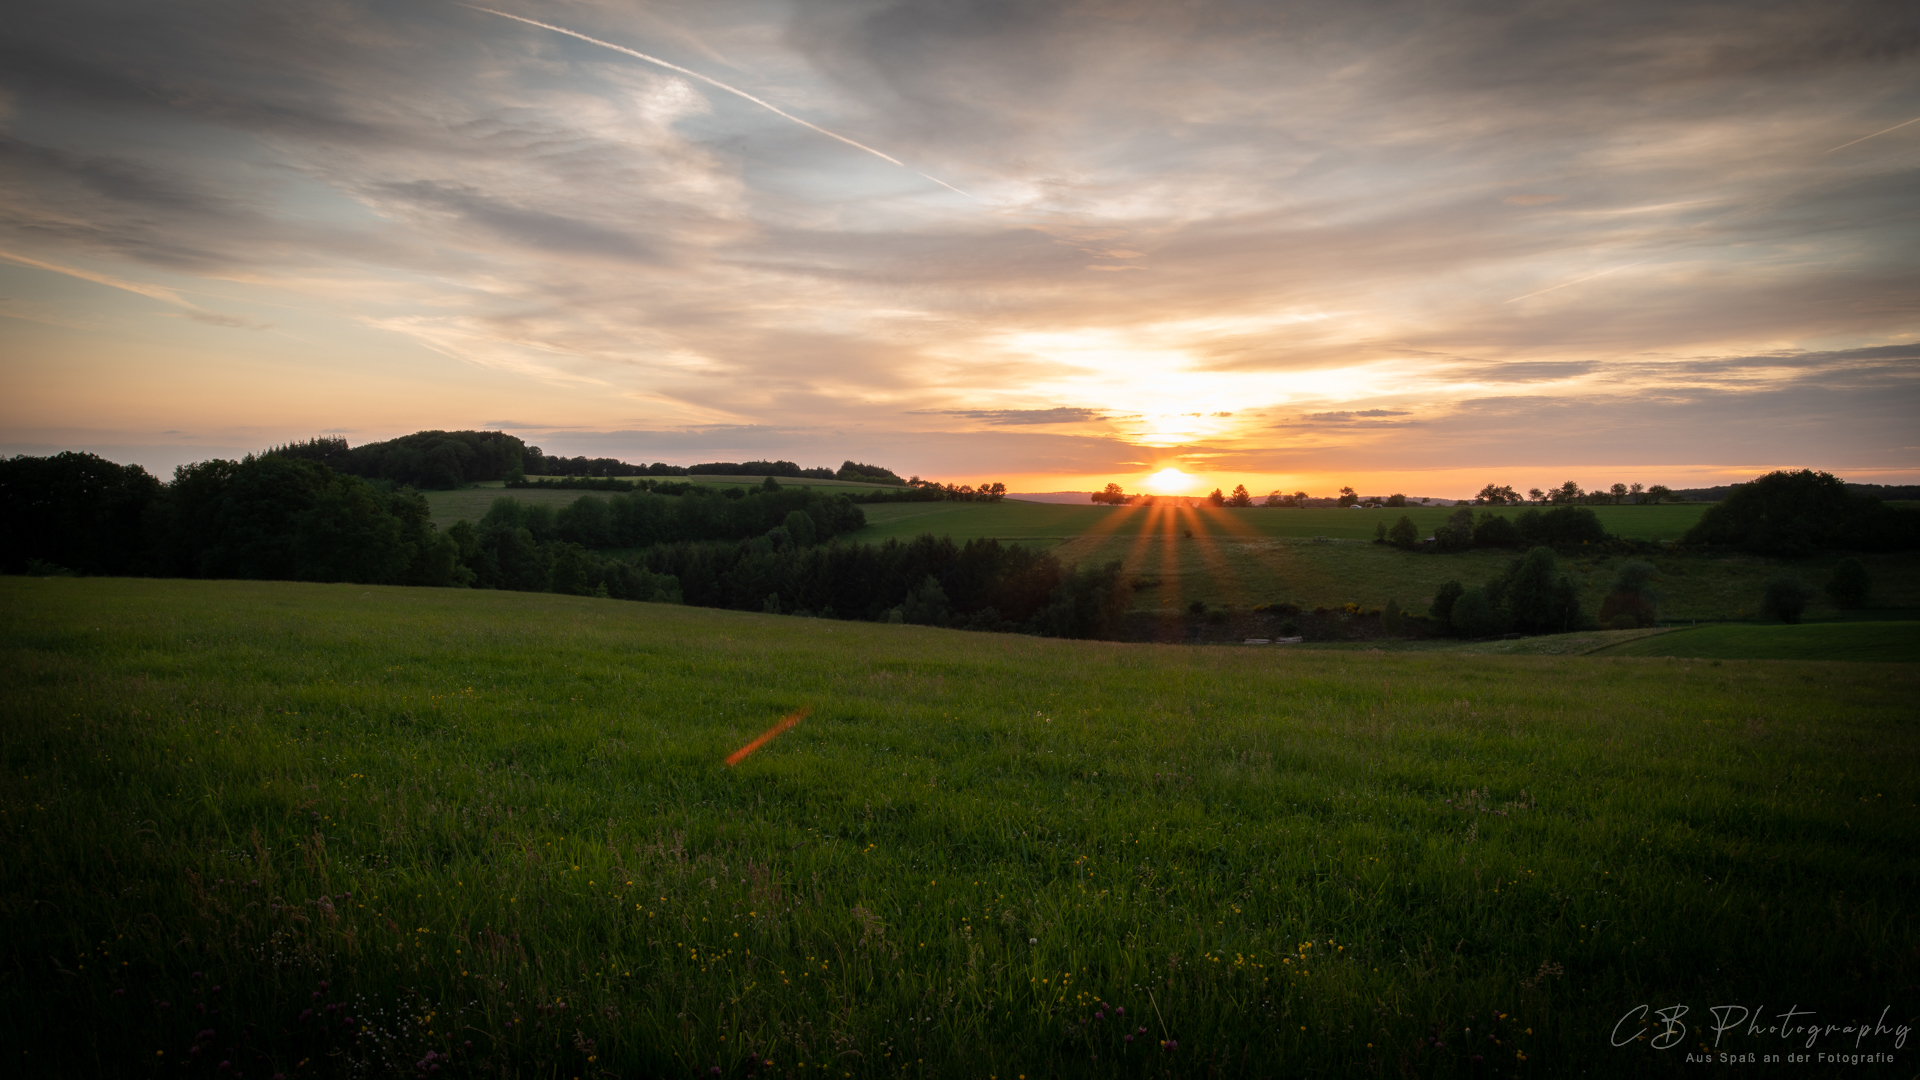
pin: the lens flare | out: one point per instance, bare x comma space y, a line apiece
784, 723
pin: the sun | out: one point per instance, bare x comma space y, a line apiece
1169, 481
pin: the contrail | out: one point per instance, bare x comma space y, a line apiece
1589, 277
717, 84
1875, 135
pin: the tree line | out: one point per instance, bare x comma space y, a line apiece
441, 460
775, 548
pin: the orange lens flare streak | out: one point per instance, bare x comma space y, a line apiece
766, 737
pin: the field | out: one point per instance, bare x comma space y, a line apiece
1897, 642
363, 831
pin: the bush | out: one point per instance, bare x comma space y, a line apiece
1392, 620
1785, 599
1404, 534
1849, 584
1443, 601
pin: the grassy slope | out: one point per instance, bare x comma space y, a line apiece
1897, 642
970, 840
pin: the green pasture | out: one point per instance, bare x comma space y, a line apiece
1011, 520
1897, 642
1243, 572
328, 830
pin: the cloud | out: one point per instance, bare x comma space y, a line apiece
1537, 199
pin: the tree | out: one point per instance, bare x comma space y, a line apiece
1619, 493
1849, 584
1567, 494
1659, 493
1274, 498
1443, 600
1111, 494
1404, 534
1379, 532
1536, 495
1300, 499
1635, 490
1347, 497
1457, 533
1785, 599
1629, 603
1540, 599
1497, 495
1240, 496
799, 527
1216, 498
1396, 499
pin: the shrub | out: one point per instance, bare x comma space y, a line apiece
1785, 599
1392, 620
1443, 601
1404, 534
1849, 584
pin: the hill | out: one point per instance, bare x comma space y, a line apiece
370, 830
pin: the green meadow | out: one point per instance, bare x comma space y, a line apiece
1887, 641
257, 828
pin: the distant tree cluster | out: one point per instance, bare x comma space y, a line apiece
263, 517
427, 460
866, 474
1560, 526
1798, 513
1571, 494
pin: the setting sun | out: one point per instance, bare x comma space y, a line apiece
1169, 481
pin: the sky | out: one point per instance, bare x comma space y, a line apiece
1406, 246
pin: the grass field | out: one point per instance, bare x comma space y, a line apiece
1893, 642
330, 830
